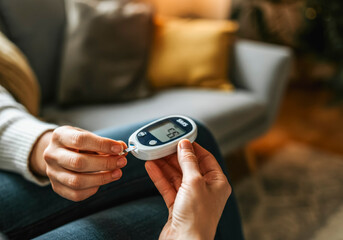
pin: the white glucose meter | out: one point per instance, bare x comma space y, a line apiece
160, 138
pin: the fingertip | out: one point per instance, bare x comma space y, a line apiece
117, 173
122, 162
185, 144
149, 165
117, 148
123, 144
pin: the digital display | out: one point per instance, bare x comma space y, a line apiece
166, 131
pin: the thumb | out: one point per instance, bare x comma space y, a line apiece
188, 160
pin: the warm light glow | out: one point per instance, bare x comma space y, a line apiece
216, 9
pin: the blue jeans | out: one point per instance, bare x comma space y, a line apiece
130, 208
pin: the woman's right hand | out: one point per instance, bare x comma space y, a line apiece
194, 189
77, 162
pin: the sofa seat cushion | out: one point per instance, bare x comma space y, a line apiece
221, 112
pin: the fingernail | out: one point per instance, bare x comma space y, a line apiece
118, 148
121, 162
116, 173
186, 144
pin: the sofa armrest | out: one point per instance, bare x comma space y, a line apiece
262, 69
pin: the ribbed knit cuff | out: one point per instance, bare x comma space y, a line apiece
19, 138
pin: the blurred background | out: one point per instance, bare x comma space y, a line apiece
292, 186
289, 182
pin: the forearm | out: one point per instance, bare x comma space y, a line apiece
19, 132
17, 140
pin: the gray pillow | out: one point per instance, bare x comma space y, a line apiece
105, 52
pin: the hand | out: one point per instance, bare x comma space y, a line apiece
77, 162
194, 189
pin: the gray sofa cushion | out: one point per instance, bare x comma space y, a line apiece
222, 112
234, 118
37, 27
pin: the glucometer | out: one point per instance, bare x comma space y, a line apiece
160, 138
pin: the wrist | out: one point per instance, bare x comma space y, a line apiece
196, 233
191, 235
36, 161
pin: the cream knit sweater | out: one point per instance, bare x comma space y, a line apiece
19, 129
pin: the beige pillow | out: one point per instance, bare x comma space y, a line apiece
191, 52
17, 76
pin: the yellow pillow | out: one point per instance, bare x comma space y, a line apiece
191, 52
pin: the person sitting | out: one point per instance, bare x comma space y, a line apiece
73, 183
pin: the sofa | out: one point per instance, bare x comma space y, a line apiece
259, 74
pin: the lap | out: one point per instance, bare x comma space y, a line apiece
31, 210
140, 219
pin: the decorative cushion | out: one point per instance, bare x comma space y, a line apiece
105, 52
17, 77
191, 52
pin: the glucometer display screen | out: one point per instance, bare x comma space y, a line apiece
166, 131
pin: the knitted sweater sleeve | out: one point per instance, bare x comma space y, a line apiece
19, 131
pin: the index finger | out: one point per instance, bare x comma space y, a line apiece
207, 162
87, 141
160, 181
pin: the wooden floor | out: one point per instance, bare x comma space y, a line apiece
307, 115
